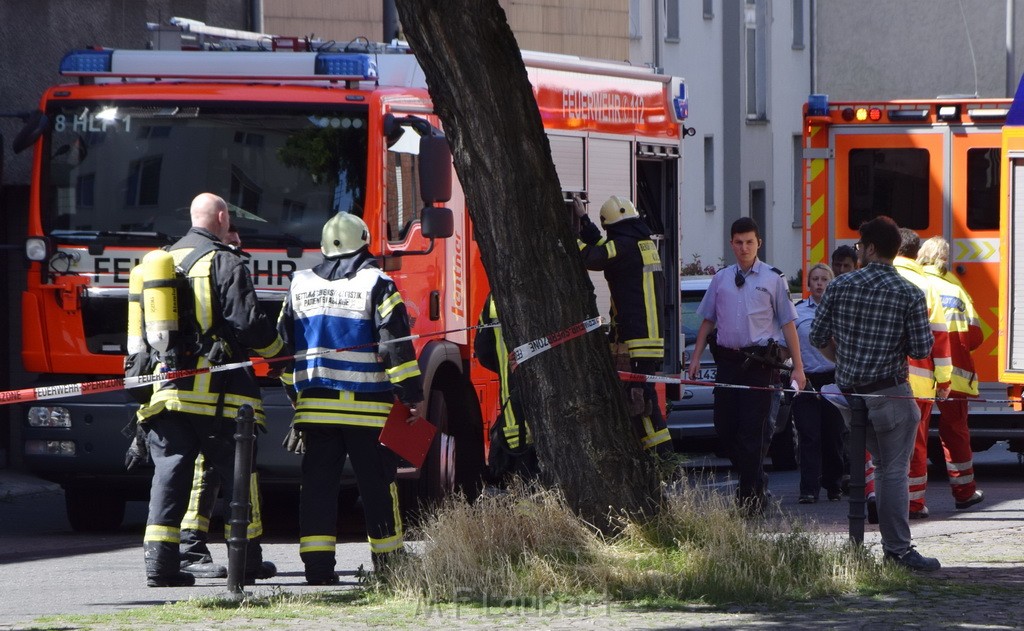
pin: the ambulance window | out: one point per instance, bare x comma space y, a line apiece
891, 182
983, 188
403, 194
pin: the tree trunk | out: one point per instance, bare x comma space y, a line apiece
570, 394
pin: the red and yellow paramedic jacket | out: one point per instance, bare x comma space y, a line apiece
964, 329
935, 371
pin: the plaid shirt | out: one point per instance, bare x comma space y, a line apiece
877, 319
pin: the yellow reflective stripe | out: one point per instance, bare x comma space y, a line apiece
650, 304
193, 520
165, 534
609, 247
337, 419
202, 382
204, 302
388, 544
655, 439
317, 543
403, 371
273, 349
393, 487
255, 528
346, 403
288, 378
388, 304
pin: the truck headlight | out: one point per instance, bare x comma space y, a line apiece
49, 417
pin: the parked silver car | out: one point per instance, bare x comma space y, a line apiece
691, 419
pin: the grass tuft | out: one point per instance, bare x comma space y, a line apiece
527, 545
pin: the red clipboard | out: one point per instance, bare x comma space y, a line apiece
411, 442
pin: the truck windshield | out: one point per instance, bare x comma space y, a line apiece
129, 170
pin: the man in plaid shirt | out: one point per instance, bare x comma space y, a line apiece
869, 321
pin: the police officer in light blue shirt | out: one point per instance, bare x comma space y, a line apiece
750, 306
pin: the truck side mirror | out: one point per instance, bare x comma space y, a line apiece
435, 164
35, 125
437, 223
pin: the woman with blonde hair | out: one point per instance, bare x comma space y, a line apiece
819, 424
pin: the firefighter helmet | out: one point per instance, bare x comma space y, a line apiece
616, 209
343, 234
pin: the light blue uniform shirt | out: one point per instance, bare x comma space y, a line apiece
814, 361
752, 314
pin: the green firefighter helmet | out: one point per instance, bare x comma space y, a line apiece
343, 234
616, 209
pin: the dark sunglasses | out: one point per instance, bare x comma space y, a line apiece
740, 278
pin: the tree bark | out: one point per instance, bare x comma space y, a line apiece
571, 394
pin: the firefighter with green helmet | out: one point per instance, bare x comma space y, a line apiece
219, 323
342, 399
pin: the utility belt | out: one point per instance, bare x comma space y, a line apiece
768, 356
875, 386
820, 379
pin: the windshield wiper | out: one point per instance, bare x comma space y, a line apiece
99, 239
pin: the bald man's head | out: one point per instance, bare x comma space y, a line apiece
210, 212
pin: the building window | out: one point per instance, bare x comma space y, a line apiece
798, 24
143, 186
709, 9
635, 14
672, 21
798, 181
709, 174
754, 21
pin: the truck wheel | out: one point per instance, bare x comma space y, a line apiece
90, 510
455, 460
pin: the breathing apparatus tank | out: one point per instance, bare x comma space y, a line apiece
159, 300
135, 341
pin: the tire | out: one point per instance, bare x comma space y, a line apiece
91, 510
455, 460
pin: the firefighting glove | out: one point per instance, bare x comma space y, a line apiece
294, 441
138, 450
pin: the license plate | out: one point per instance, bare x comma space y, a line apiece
707, 374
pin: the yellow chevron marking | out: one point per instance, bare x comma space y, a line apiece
817, 210
817, 166
986, 330
817, 253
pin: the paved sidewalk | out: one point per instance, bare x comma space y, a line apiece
979, 586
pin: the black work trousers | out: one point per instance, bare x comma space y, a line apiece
819, 426
175, 440
374, 466
743, 423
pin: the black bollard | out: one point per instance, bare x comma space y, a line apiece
858, 431
240, 507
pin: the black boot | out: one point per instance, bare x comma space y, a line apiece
162, 566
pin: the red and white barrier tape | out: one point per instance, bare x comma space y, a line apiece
531, 349
672, 379
41, 393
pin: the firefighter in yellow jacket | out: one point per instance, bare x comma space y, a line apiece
964, 336
343, 399
194, 415
929, 377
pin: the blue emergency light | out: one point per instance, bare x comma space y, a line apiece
86, 62
346, 65
680, 104
817, 105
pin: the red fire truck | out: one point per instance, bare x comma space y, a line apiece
933, 166
289, 138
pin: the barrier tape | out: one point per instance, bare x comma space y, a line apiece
531, 349
673, 379
42, 393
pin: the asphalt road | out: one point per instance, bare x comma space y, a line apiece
46, 568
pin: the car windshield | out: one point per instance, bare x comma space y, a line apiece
131, 169
690, 300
